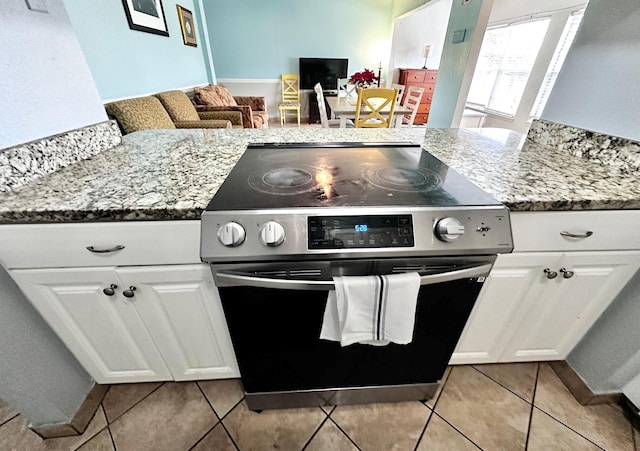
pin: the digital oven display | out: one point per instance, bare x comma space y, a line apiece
346, 232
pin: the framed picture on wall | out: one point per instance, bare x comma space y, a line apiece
188, 28
146, 15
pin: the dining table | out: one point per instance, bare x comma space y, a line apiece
345, 108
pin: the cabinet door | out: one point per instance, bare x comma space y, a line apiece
549, 326
182, 311
514, 279
105, 333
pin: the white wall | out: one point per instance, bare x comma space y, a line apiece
598, 86
45, 84
426, 25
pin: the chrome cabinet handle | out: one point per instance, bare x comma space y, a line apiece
566, 273
110, 291
119, 247
129, 293
587, 234
550, 274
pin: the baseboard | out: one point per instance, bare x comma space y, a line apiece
80, 420
579, 388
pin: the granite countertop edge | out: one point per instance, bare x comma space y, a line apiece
172, 175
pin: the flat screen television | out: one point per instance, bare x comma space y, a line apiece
325, 71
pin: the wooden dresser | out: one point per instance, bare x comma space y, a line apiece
424, 78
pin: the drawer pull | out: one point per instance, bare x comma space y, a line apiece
110, 291
587, 234
566, 273
550, 274
129, 293
119, 247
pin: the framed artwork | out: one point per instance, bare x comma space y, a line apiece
146, 15
188, 28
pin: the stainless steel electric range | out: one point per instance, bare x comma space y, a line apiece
291, 216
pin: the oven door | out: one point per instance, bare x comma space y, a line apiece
274, 312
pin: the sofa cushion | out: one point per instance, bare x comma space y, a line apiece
140, 113
178, 105
214, 95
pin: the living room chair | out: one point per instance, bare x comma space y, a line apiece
411, 102
184, 115
290, 96
324, 119
218, 98
375, 107
144, 113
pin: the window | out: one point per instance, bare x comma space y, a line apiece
504, 64
569, 33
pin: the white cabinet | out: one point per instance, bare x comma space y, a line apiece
173, 326
523, 315
182, 310
549, 323
105, 333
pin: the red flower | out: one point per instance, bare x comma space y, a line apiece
365, 77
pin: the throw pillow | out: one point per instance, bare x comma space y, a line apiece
214, 96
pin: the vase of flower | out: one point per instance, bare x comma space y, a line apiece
365, 79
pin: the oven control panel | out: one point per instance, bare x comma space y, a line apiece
349, 232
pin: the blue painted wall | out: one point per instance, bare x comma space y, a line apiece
259, 39
453, 63
126, 62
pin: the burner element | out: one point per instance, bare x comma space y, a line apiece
284, 180
406, 180
287, 177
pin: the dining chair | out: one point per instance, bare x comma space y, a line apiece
290, 96
375, 107
324, 119
411, 103
345, 89
400, 89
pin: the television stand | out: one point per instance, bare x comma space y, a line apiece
314, 112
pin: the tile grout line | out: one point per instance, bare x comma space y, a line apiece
15, 416
219, 417
504, 386
342, 430
533, 398
568, 427
88, 438
551, 416
326, 418
142, 399
109, 428
433, 412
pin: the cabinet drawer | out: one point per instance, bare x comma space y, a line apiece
424, 108
427, 97
610, 230
430, 76
65, 245
421, 119
413, 76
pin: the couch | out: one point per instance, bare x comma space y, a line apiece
148, 112
218, 98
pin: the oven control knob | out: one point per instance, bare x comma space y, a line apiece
272, 234
449, 229
231, 234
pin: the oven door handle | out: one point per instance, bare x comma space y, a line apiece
235, 280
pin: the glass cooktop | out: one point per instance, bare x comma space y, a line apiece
286, 175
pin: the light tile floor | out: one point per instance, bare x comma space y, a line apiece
520, 406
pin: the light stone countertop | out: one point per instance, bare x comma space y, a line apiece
173, 174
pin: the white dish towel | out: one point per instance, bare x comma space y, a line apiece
373, 310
